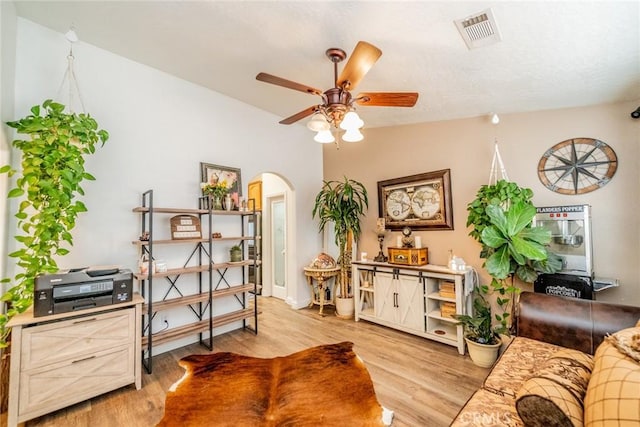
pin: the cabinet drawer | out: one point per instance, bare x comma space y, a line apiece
71, 339
51, 387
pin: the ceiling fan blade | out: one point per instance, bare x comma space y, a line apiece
298, 116
279, 81
360, 62
387, 99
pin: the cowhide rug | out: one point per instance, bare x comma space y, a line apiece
326, 385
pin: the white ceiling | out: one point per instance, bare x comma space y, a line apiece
552, 54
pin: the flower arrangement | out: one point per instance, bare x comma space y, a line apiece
217, 190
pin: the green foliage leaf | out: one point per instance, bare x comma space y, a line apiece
492, 237
15, 192
519, 216
528, 249
52, 169
539, 235
498, 265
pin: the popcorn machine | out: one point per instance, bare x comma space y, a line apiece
570, 228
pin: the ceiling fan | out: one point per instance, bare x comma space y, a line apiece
337, 102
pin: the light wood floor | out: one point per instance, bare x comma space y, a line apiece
425, 383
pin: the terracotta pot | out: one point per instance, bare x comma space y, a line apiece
483, 355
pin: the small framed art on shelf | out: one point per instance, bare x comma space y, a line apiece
229, 177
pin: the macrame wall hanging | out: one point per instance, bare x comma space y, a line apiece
69, 91
498, 171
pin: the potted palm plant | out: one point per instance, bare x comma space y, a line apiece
342, 203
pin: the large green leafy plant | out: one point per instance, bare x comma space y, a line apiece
342, 203
52, 169
502, 216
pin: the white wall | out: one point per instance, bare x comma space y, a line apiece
161, 127
7, 66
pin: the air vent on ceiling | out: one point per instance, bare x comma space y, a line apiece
479, 29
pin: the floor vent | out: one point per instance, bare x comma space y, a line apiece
479, 29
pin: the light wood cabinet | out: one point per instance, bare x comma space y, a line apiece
63, 359
409, 299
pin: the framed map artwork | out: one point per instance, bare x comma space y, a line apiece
422, 202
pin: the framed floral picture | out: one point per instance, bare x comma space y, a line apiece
422, 202
222, 176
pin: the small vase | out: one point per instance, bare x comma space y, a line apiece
228, 203
217, 203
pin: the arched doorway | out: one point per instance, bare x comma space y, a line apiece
277, 203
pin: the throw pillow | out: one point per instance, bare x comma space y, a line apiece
627, 341
554, 394
613, 397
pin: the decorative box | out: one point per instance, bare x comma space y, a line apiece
408, 256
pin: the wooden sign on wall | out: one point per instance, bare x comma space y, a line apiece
185, 227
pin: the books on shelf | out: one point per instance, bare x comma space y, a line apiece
447, 290
447, 309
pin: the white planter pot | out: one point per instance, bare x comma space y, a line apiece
345, 307
483, 355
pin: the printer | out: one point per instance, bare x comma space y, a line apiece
80, 289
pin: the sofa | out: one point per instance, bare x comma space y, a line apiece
572, 362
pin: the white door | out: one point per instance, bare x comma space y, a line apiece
385, 296
278, 215
411, 302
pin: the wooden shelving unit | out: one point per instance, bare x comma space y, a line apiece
210, 277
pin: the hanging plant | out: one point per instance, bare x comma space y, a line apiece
52, 169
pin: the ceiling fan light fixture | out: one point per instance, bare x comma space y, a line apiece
318, 123
324, 137
351, 121
352, 135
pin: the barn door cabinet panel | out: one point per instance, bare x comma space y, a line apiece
399, 299
417, 300
63, 359
199, 278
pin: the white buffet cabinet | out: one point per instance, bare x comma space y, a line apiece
408, 298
